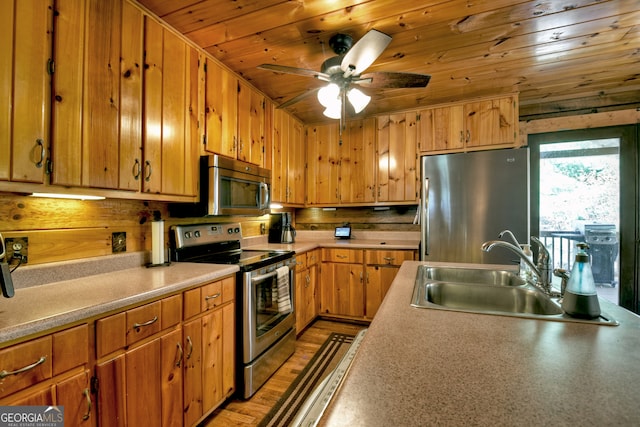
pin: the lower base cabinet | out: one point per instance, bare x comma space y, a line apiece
307, 301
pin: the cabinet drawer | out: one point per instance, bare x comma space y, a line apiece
24, 365
352, 256
301, 261
126, 328
382, 257
313, 257
208, 296
70, 348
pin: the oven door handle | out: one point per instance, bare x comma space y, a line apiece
263, 277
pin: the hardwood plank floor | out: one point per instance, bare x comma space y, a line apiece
236, 412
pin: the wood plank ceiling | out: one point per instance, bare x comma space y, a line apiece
570, 56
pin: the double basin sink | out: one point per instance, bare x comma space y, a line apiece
488, 291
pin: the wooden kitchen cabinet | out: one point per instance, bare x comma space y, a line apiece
481, 124
170, 113
139, 367
397, 158
236, 117
381, 268
341, 171
307, 301
342, 278
25, 42
51, 370
288, 160
209, 348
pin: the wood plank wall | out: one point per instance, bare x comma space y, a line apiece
61, 230
396, 218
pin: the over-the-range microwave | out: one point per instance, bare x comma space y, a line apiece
228, 187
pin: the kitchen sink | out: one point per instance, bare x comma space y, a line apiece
487, 291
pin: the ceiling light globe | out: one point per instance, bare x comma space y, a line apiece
358, 99
328, 94
334, 111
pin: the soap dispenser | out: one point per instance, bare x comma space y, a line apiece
580, 297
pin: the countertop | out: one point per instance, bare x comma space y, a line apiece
419, 367
40, 308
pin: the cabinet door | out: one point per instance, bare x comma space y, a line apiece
171, 353
397, 158
75, 395
212, 359
323, 164
251, 121
192, 344
379, 280
448, 128
300, 299
221, 110
490, 122
112, 392
143, 385
357, 164
296, 164
24, 88
280, 156
343, 289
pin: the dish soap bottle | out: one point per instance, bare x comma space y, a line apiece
580, 297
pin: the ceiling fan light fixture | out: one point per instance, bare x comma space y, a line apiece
328, 95
358, 99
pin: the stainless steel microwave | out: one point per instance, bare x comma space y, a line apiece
228, 187
237, 188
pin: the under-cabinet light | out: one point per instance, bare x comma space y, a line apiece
68, 196
275, 206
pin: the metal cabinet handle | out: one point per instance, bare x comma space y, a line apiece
4, 374
361, 277
461, 136
468, 135
341, 256
87, 396
179, 354
190, 352
147, 165
136, 169
389, 258
40, 163
147, 323
214, 296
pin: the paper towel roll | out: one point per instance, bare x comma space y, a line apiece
157, 242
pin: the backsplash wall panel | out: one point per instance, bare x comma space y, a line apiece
396, 218
62, 230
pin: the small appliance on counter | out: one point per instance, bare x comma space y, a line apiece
281, 230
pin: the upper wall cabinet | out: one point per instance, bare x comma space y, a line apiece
477, 125
235, 117
323, 164
288, 160
397, 158
25, 43
170, 113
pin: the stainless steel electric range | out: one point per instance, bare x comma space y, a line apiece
264, 302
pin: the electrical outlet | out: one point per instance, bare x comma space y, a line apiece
17, 248
119, 242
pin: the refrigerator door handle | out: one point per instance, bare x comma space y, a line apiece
425, 218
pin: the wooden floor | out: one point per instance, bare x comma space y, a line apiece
250, 412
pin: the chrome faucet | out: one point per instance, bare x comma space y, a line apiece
542, 270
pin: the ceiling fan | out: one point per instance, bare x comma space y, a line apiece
345, 70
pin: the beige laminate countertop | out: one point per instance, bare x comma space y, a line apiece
422, 367
40, 308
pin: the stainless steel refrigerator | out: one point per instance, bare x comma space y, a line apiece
469, 198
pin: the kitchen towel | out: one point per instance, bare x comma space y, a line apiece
284, 297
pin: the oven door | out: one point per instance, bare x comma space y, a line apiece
267, 313
237, 193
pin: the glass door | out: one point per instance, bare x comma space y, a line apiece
580, 192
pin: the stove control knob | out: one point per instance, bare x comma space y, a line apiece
236, 230
196, 233
230, 231
187, 234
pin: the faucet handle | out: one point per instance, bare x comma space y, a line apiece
543, 253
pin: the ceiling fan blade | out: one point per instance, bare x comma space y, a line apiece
391, 80
294, 70
298, 98
364, 52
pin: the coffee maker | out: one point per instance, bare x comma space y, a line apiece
281, 230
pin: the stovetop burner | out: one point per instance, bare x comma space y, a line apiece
219, 244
